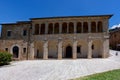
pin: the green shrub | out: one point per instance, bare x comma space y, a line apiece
5, 58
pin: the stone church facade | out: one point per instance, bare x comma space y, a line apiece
57, 37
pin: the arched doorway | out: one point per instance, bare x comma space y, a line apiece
15, 52
69, 52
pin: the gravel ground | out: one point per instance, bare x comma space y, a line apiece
58, 69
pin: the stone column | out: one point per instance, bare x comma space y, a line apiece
105, 48
89, 49
96, 27
33, 28
46, 28
59, 49
82, 27
53, 28
75, 26
89, 27
45, 50
67, 27
39, 28
32, 51
60, 28
74, 49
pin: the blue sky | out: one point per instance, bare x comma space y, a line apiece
18, 10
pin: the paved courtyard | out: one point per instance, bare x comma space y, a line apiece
58, 69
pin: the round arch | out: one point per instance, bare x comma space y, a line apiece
42, 30
15, 51
56, 30
71, 27
93, 27
64, 27
68, 52
85, 27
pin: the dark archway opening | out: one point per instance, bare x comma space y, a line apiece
69, 52
15, 52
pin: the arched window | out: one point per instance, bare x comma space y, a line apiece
85, 27
64, 28
71, 27
100, 26
36, 29
79, 27
50, 28
42, 30
93, 27
56, 30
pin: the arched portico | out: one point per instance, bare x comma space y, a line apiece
68, 52
15, 51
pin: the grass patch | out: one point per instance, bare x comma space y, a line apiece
110, 75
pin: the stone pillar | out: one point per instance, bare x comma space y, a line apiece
39, 28
96, 27
75, 26
82, 27
45, 50
89, 49
53, 28
32, 51
59, 49
74, 49
67, 27
105, 48
60, 28
89, 27
33, 28
46, 28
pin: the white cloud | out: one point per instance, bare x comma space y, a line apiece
115, 26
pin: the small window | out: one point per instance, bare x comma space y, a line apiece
78, 49
92, 47
24, 32
6, 49
9, 33
24, 50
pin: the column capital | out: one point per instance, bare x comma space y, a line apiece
45, 39
59, 39
74, 38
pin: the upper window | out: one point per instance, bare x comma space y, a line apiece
56, 30
24, 32
50, 28
64, 27
42, 31
24, 50
85, 27
71, 27
93, 27
9, 33
36, 29
100, 26
79, 27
